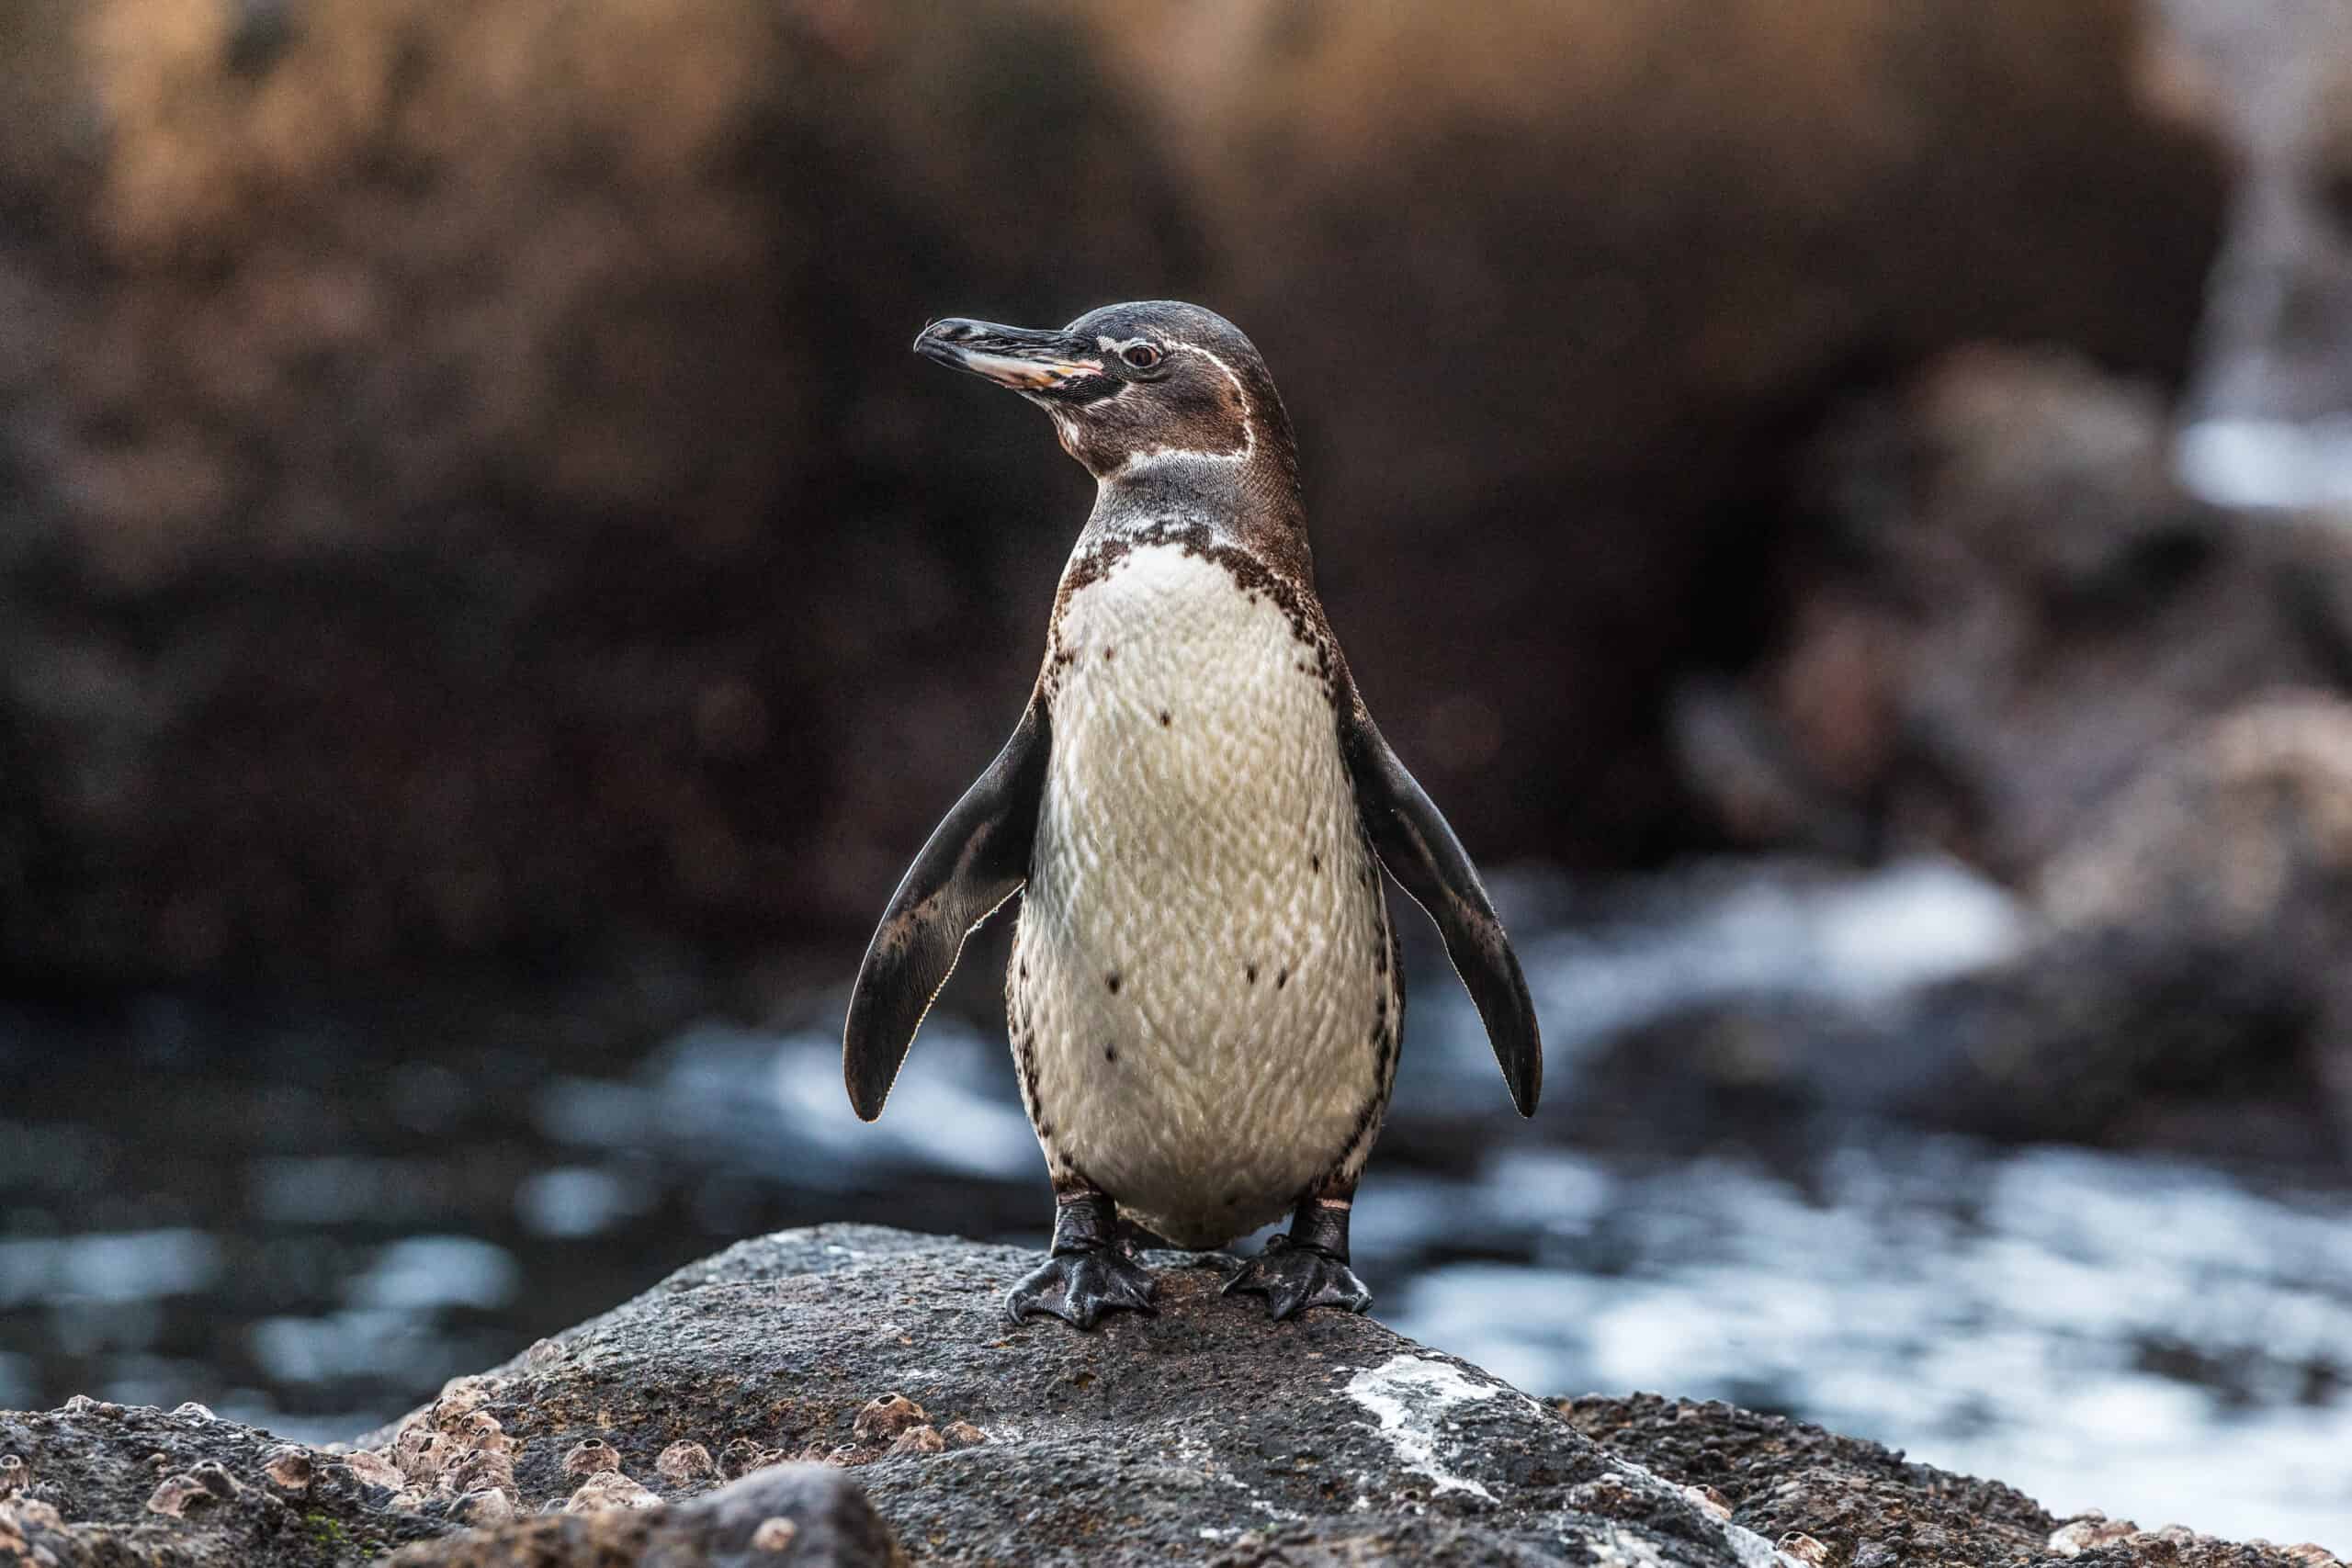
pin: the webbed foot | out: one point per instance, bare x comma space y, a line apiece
1078, 1287
1294, 1276
1089, 1272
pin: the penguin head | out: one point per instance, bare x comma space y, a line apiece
1129, 387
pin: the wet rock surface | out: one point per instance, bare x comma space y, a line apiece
664, 1435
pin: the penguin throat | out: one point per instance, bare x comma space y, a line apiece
1254, 508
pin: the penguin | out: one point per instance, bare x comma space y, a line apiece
1201, 818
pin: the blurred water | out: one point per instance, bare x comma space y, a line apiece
2270, 464
311, 1217
2132, 1334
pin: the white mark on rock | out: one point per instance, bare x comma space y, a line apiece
1411, 1395
1751, 1550
1622, 1548
1194, 1450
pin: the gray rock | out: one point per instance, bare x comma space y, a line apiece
1204, 1434
807, 1515
124, 1484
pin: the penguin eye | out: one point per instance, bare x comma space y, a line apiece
1140, 355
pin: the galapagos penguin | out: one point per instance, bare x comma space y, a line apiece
1197, 808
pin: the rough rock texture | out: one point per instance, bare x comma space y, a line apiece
652, 1438
1204, 1431
463, 492
124, 1484
1865, 1506
807, 1515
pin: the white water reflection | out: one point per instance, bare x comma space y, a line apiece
2269, 463
2139, 1335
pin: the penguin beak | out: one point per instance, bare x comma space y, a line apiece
1030, 362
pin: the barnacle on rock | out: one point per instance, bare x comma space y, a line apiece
591, 1458
682, 1462
920, 1440
609, 1489
885, 1417
288, 1468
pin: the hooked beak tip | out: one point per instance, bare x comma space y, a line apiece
1022, 360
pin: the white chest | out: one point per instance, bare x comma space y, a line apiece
1201, 988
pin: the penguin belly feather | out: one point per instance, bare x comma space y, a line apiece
1203, 998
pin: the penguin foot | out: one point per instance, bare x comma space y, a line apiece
1294, 1276
1078, 1287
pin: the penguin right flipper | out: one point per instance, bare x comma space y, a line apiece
974, 860
1419, 849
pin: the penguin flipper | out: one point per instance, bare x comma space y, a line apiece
974, 860
1419, 849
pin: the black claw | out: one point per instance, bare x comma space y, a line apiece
1294, 1277
1078, 1287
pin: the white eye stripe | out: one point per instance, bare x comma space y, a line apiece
1240, 455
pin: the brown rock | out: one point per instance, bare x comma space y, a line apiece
408, 331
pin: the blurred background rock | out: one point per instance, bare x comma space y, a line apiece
467, 494
1846, 505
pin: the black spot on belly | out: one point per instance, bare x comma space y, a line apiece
1315, 862
1109, 654
1112, 980
1110, 1053
1163, 719
1249, 973
1282, 979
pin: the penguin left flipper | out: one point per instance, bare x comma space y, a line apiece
1419, 849
974, 860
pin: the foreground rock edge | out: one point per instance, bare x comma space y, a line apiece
716, 1418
